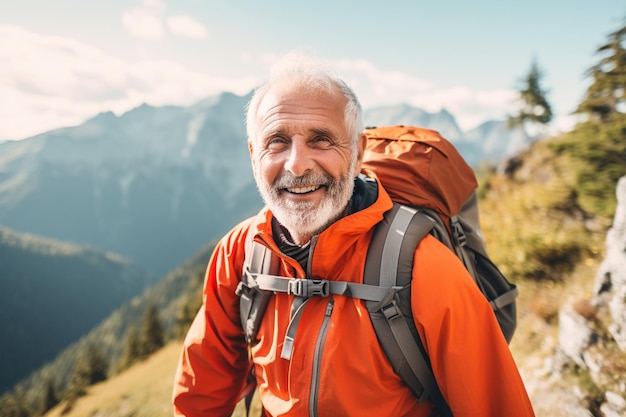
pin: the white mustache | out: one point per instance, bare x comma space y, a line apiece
288, 180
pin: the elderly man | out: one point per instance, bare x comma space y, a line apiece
306, 148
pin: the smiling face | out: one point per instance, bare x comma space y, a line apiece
304, 159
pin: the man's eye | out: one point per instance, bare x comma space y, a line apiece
322, 140
277, 143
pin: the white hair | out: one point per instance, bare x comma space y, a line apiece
310, 77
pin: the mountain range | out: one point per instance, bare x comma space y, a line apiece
156, 183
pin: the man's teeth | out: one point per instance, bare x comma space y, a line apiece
303, 190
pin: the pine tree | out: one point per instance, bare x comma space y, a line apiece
13, 404
91, 366
532, 97
607, 93
599, 143
151, 337
187, 314
98, 365
49, 397
131, 350
191, 304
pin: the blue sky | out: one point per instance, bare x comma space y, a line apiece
64, 61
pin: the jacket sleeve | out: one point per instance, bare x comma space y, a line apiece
471, 360
214, 361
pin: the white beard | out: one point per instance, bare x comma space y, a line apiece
304, 218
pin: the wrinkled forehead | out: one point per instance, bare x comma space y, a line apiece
292, 103
294, 91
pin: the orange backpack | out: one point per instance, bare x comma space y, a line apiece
419, 168
433, 190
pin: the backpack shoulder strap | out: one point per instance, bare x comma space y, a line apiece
252, 299
253, 302
390, 264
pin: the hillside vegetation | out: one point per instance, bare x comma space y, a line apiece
545, 214
549, 208
142, 391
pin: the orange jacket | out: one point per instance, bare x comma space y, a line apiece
338, 367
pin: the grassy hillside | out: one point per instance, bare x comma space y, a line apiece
142, 391
52, 293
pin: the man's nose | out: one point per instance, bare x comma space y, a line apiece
300, 158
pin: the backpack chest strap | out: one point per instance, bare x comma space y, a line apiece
304, 289
322, 287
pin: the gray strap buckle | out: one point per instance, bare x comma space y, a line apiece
309, 287
391, 311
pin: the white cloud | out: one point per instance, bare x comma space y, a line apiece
150, 21
376, 87
187, 26
143, 23
56, 67
49, 82
385, 81
470, 107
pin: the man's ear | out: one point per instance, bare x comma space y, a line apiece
360, 148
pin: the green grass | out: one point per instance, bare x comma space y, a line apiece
143, 390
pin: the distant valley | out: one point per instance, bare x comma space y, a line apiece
51, 293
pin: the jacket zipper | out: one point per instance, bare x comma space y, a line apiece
321, 338
309, 263
317, 359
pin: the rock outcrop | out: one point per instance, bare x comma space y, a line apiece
592, 335
610, 287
